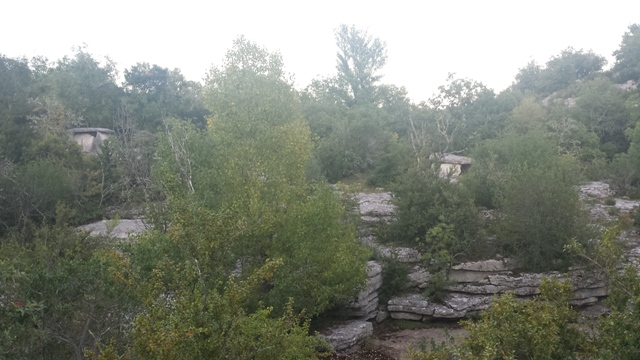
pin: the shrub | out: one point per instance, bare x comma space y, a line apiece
542, 214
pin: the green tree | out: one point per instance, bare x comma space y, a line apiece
360, 58
627, 65
156, 93
86, 87
253, 163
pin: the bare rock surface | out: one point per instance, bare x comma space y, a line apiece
365, 306
595, 189
376, 204
122, 230
454, 306
348, 337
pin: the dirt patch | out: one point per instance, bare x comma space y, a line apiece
393, 340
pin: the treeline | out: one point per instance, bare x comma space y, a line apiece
248, 242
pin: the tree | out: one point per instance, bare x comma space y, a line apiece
253, 164
360, 58
15, 108
157, 93
627, 66
86, 87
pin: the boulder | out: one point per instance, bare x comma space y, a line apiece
419, 277
122, 229
348, 337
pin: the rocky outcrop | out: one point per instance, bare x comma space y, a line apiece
365, 306
122, 229
454, 306
348, 337
595, 189
476, 283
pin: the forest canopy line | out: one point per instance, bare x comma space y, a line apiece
249, 245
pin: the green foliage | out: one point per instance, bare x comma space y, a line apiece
542, 213
542, 328
435, 215
360, 57
601, 108
394, 275
619, 332
60, 297
252, 164
493, 160
627, 66
559, 72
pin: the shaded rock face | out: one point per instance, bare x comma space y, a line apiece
478, 282
122, 230
348, 337
454, 306
365, 306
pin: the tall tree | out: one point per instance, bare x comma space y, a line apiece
360, 58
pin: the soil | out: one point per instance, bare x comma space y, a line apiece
392, 338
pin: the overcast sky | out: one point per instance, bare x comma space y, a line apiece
484, 40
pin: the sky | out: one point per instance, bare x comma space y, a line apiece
487, 41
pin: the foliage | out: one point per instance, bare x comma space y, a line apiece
627, 65
559, 72
542, 213
618, 334
252, 164
542, 328
360, 57
60, 297
194, 309
394, 273
436, 216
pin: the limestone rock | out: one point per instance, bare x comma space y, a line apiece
478, 271
376, 204
405, 316
122, 230
382, 316
348, 337
596, 190
454, 306
366, 304
419, 277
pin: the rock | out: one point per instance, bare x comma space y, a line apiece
366, 304
584, 302
419, 277
382, 316
478, 271
402, 254
348, 337
596, 189
376, 204
405, 316
454, 306
627, 205
122, 230
486, 266
414, 304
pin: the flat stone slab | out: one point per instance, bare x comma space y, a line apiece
348, 337
122, 230
376, 204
